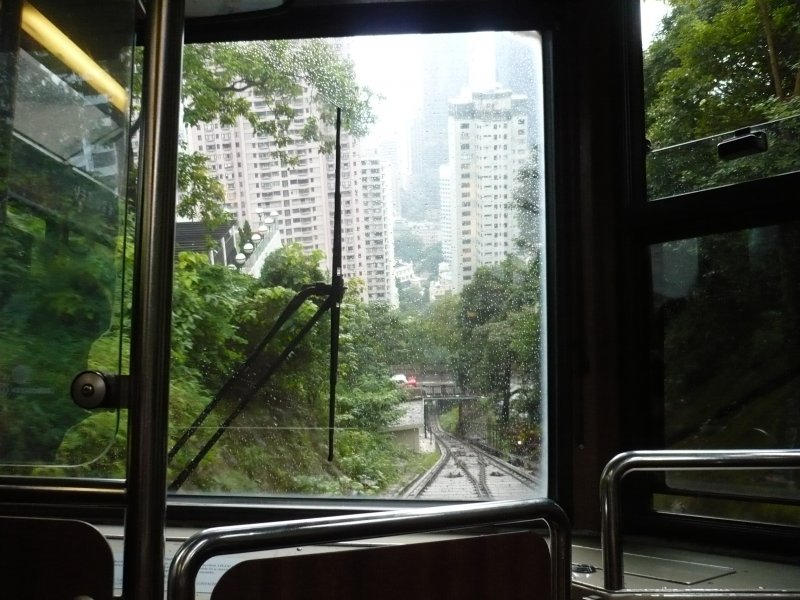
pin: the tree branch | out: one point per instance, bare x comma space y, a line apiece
763, 11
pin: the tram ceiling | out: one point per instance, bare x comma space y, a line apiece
258, 19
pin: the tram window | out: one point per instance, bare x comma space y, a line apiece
63, 182
702, 164
725, 302
712, 69
726, 328
459, 317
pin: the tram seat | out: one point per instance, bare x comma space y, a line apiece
505, 566
54, 559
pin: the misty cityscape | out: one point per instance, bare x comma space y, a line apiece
456, 118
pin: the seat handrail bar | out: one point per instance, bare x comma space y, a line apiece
667, 460
235, 539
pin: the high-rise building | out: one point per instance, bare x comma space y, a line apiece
446, 209
445, 72
518, 67
295, 195
376, 202
488, 144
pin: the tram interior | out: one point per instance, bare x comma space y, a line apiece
431, 298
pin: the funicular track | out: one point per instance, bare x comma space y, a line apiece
465, 471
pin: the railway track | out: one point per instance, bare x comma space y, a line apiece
465, 471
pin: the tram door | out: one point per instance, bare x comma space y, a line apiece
65, 154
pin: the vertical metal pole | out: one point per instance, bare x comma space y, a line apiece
337, 283
145, 518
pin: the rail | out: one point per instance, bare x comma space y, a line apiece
268, 536
668, 460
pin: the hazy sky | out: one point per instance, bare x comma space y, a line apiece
391, 67
652, 12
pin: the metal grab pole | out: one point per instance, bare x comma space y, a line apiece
249, 538
668, 460
145, 516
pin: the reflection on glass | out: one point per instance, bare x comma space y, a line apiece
727, 316
442, 249
697, 165
63, 174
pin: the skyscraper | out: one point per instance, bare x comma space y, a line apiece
298, 197
445, 73
488, 144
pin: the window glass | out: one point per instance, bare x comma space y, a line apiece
440, 355
734, 157
65, 76
728, 339
711, 69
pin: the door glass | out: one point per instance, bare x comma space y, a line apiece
64, 149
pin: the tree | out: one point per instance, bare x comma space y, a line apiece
215, 75
500, 333
720, 65
292, 268
206, 300
408, 246
528, 203
202, 196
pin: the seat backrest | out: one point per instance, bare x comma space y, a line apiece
54, 559
505, 566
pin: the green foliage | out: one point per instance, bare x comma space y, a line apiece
713, 68
499, 327
292, 268
57, 300
215, 75
717, 67
372, 406
529, 205
411, 297
409, 247
206, 299
202, 196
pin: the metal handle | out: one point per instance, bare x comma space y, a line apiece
250, 538
668, 460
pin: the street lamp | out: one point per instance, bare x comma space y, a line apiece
240, 259
248, 248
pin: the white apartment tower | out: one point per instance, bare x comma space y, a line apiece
298, 198
487, 145
378, 215
446, 210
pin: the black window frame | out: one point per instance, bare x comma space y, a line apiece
104, 501
648, 222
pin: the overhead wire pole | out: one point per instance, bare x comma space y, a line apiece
332, 293
250, 363
337, 282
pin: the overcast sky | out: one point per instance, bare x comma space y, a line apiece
391, 67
